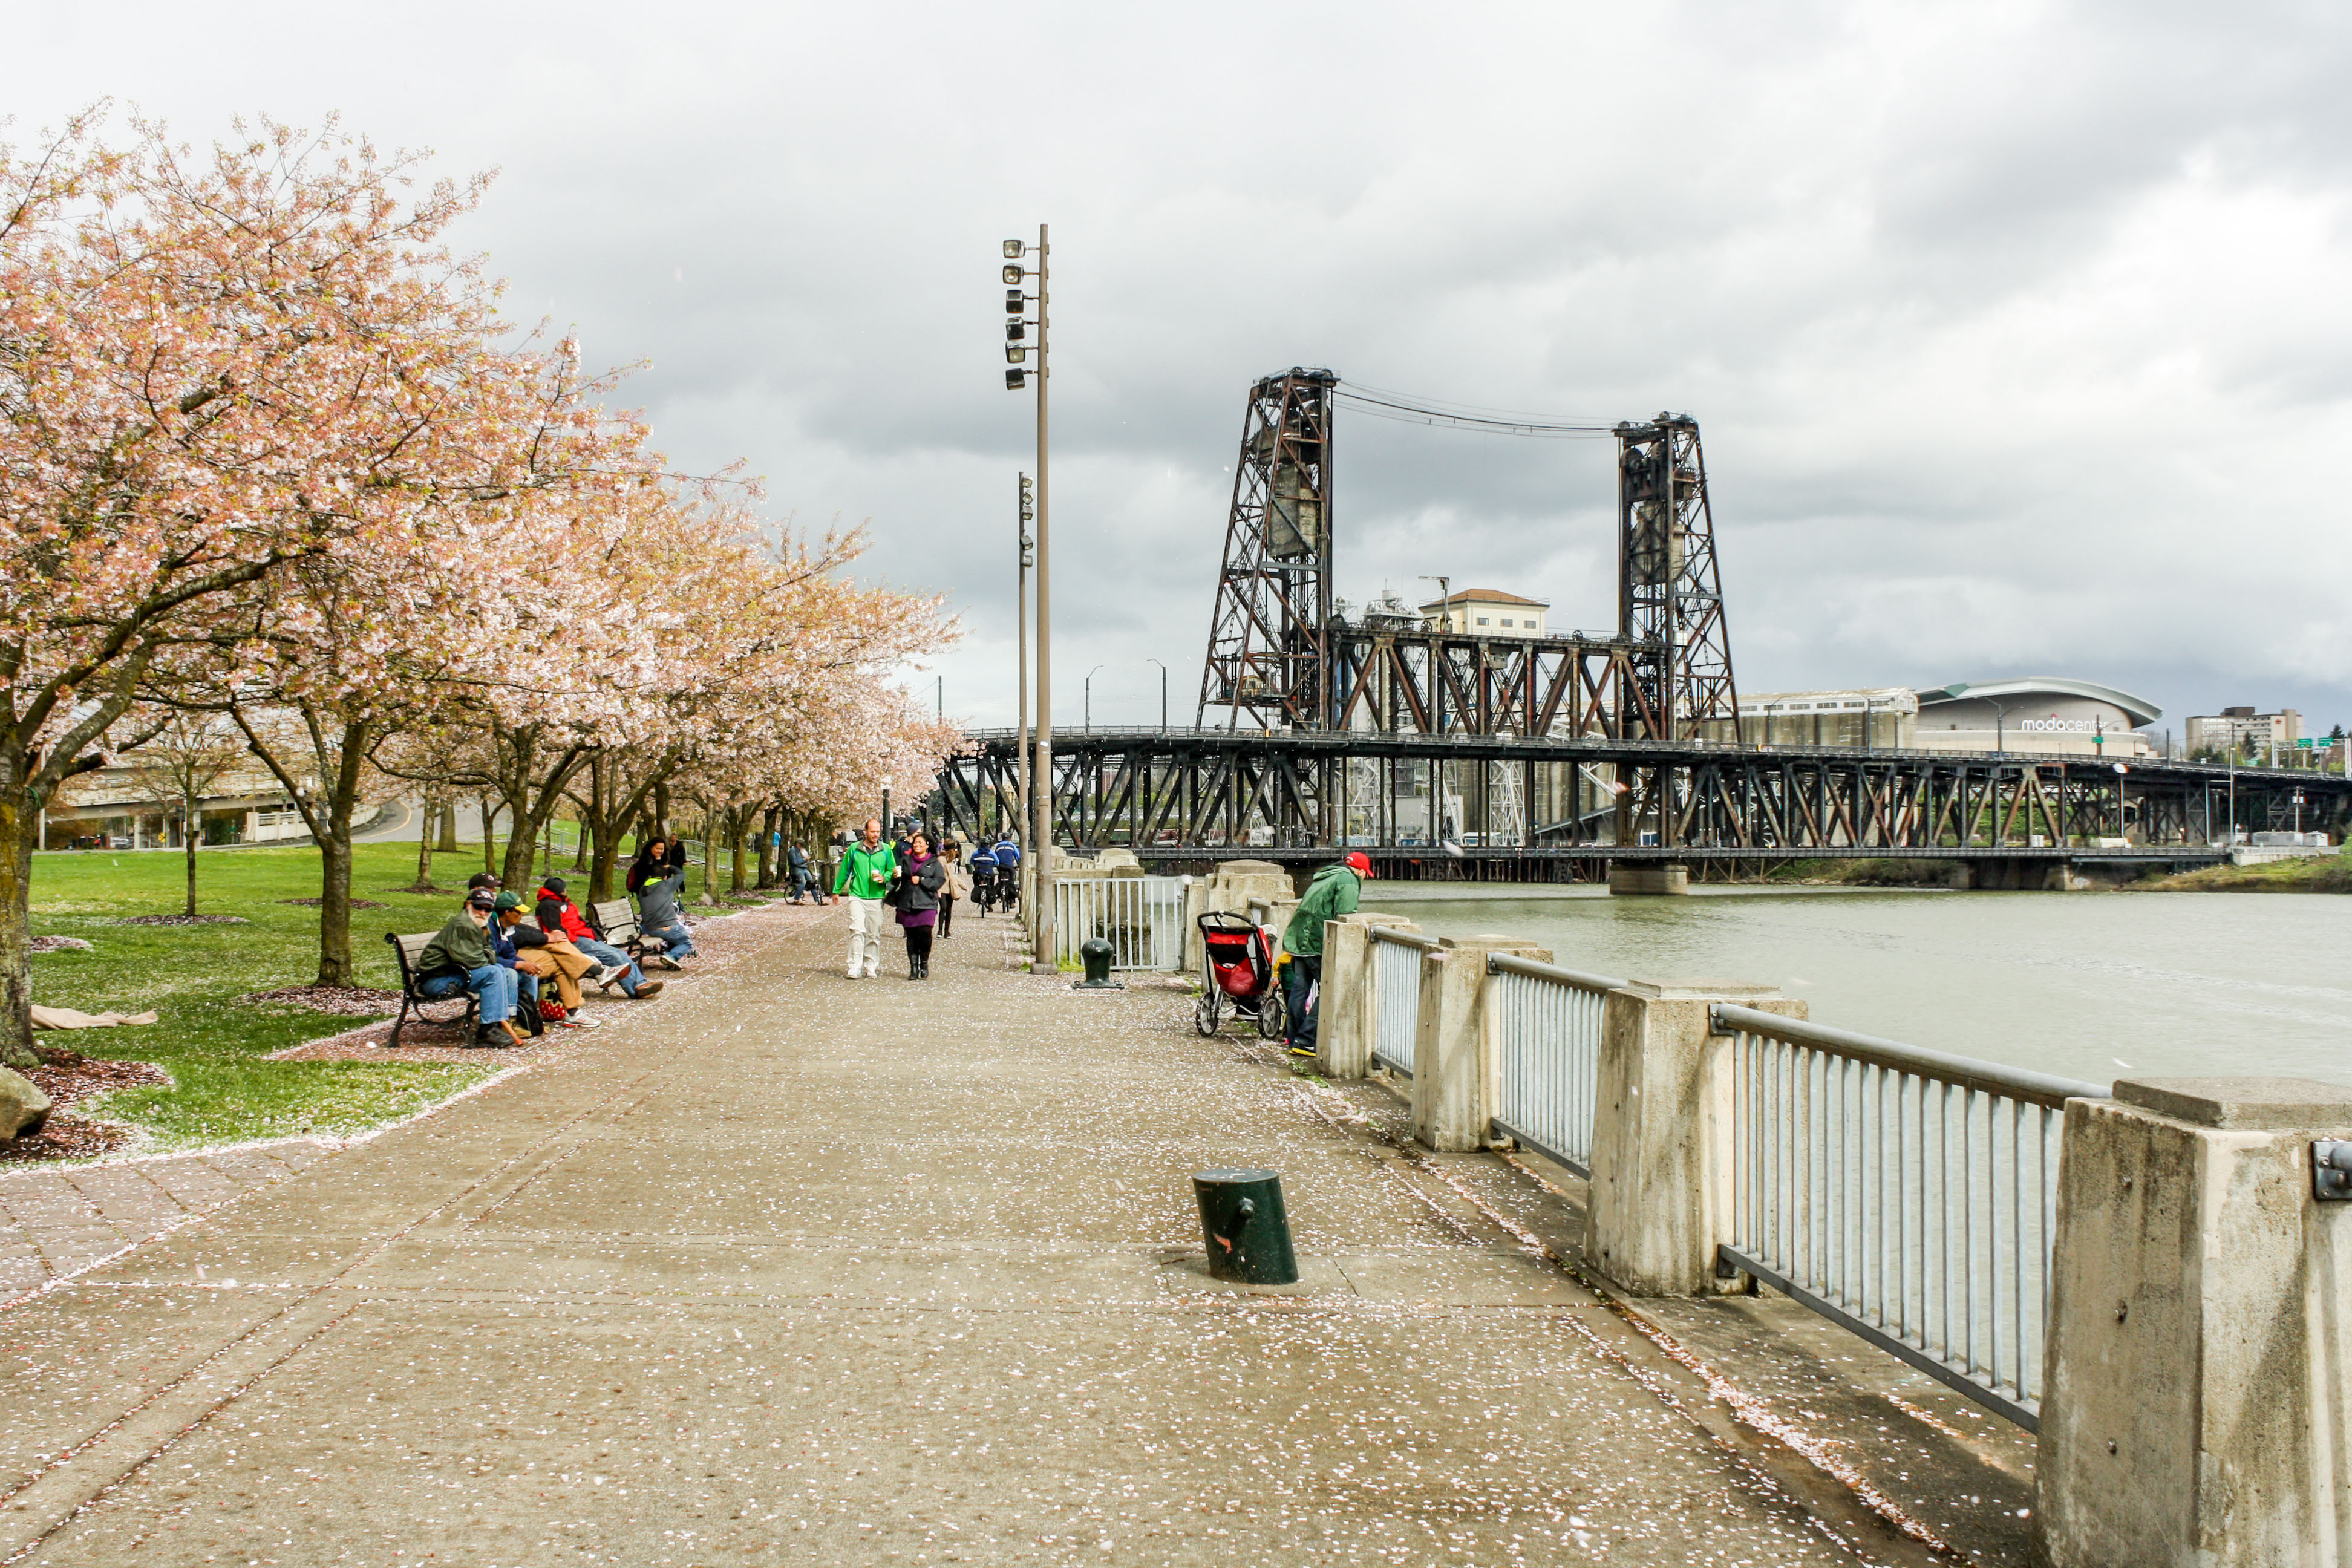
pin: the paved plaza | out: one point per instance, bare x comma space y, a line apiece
789, 1268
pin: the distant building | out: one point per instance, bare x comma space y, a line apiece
2044, 714
2236, 731
1884, 716
1488, 612
114, 806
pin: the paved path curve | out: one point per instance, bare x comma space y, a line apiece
865, 1272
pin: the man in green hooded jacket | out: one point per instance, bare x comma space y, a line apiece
868, 868
1332, 893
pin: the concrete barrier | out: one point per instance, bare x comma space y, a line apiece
1661, 1153
2199, 1409
1348, 1007
1453, 1049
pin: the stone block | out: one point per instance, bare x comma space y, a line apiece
1453, 1049
1662, 1135
2196, 1407
23, 1107
1648, 878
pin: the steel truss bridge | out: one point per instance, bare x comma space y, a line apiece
1441, 751
1188, 796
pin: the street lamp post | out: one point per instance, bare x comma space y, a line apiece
2123, 804
1163, 692
885, 809
1088, 705
1038, 861
1444, 598
1028, 512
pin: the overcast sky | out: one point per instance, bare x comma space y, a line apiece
2018, 334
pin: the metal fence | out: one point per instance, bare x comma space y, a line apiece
1143, 918
1396, 996
1908, 1195
1547, 1024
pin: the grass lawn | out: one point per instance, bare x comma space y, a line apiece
212, 1044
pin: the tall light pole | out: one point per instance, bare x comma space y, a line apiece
1039, 858
1021, 804
1163, 692
1087, 701
1444, 599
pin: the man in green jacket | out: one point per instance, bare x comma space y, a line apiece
461, 958
1332, 893
868, 868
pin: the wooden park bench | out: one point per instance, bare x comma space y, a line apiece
410, 949
615, 924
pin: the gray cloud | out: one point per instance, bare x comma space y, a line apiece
2017, 332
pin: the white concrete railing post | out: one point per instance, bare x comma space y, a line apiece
1348, 1011
1452, 1048
2197, 1405
1661, 1191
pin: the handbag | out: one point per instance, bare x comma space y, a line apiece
551, 1010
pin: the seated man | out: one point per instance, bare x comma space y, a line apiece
460, 957
532, 952
557, 912
660, 917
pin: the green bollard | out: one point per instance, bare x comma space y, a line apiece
1247, 1232
1095, 954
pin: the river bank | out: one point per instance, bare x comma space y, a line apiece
2313, 874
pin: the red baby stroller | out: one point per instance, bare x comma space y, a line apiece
1239, 953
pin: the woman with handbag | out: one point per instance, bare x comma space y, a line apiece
915, 897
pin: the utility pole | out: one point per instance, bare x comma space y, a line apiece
1021, 824
1163, 692
1038, 858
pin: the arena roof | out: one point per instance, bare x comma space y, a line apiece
2138, 708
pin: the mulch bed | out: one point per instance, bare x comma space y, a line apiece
57, 944
184, 920
67, 1077
343, 1001
354, 903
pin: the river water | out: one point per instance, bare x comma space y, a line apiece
2091, 986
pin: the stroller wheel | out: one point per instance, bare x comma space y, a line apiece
1271, 1015
1205, 1012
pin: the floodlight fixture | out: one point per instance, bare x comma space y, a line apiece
1014, 302
1015, 354
1012, 249
1013, 275
1014, 332
1014, 380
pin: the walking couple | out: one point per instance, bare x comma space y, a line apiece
920, 888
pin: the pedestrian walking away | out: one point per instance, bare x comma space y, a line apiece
957, 887
803, 879
921, 882
1333, 893
868, 869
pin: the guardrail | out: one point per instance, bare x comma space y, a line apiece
1908, 1195
1546, 1023
1396, 996
1143, 918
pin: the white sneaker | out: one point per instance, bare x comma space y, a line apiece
605, 974
582, 1021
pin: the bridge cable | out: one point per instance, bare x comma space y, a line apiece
1408, 409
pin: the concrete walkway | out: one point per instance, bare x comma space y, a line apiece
837, 1272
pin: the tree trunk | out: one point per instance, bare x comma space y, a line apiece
336, 966
661, 807
20, 820
710, 860
425, 846
188, 837
736, 819
489, 838
769, 816
449, 843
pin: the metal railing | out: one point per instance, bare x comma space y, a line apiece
1396, 996
1547, 1024
1908, 1195
1143, 918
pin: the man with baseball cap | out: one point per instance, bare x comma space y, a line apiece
1332, 893
461, 957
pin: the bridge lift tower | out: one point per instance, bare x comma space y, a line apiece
1278, 658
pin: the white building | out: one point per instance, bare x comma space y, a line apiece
1487, 613
2047, 714
2238, 731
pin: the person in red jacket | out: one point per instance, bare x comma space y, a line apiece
556, 912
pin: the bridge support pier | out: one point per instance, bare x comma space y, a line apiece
1648, 878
